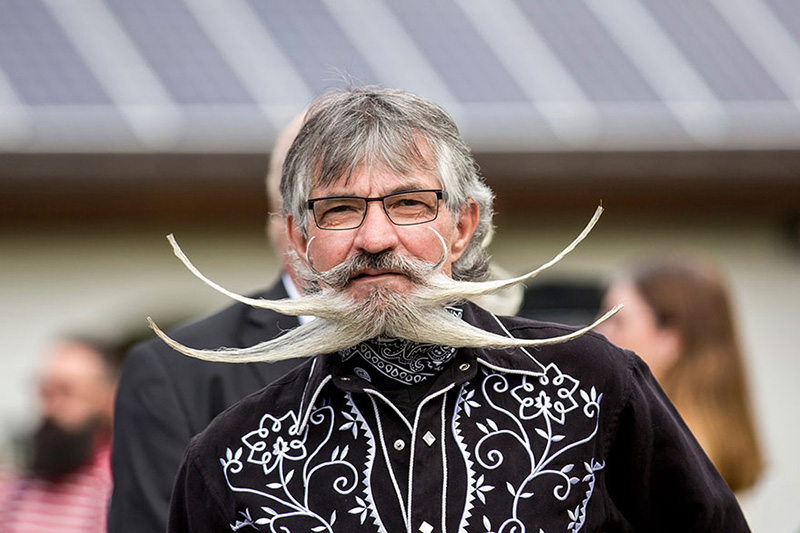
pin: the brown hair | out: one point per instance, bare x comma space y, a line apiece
707, 383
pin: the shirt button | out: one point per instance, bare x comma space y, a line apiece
463, 367
399, 445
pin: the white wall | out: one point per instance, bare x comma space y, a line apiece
108, 280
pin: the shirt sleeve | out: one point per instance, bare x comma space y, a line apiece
194, 509
658, 477
150, 437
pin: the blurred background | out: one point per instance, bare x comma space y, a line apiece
122, 121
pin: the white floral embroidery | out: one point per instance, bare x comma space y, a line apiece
539, 427
279, 448
527, 428
578, 515
554, 397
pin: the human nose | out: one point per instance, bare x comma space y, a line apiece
377, 233
51, 400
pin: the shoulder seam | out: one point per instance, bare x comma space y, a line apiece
195, 465
624, 400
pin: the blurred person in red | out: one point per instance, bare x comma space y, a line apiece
65, 482
678, 317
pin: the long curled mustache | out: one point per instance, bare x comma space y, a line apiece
339, 276
343, 322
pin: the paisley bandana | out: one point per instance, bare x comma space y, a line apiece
401, 360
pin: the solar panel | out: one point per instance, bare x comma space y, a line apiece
41, 63
789, 14
709, 77
715, 51
456, 50
584, 46
178, 50
317, 47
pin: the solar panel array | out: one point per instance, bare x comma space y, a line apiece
187, 75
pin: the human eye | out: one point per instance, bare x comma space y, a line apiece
338, 212
406, 201
411, 206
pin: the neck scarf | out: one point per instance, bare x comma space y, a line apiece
401, 360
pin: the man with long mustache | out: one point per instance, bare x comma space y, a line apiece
421, 412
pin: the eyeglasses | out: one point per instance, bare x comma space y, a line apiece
403, 209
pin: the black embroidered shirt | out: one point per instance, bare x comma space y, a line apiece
578, 437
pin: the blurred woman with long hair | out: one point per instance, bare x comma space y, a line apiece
678, 317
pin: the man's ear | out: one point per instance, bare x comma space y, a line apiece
464, 229
297, 240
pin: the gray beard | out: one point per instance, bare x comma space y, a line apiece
343, 322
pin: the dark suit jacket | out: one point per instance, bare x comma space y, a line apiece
165, 398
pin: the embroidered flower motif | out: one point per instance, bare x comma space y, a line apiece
521, 418
542, 402
551, 394
350, 424
361, 509
469, 402
275, 440
482, 489
592, 400
292, 472
239, 524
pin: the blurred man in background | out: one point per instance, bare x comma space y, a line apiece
166, 398
65, 483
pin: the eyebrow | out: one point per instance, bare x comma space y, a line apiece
411, 186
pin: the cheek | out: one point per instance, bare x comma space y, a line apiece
425, 244
325, 257
328, 251
625, 330
613, 330
640, 335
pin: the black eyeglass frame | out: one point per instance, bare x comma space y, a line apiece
440, 195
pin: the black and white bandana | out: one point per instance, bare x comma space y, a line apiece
401, 360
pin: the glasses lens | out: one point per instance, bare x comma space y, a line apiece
339, 213
415, 207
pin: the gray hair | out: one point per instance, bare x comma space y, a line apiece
396, 130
